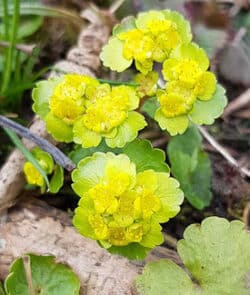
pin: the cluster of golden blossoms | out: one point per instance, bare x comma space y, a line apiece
78, 108
165, 37
187, 81
119, 206
149, 38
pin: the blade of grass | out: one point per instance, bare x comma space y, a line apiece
11, 48
6, 19
43, 10
28, 155
27, 72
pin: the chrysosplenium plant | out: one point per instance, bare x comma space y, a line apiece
125, 189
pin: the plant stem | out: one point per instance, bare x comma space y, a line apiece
10, 51
59, 157
28, 274
133, 84
6, 19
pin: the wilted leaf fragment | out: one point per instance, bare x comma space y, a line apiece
215, 253
48, 277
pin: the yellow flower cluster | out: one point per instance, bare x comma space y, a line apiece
80, 109
119, 206
147, 39
187, 81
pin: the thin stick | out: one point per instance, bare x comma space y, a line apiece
27, 269
171, 241
115, 6
22, 47
223, 152
237, 103
58, 156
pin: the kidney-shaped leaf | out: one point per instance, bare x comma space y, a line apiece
217, 257
48, 277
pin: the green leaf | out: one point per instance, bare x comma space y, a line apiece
163, 277
56, 181
28, 26
131, 251
215, 253
41, 95
205, 112
28, 155
1, 289
48, 277
191, 167
150, 106
128, 23
145, 156
80, 153
209, 39
112, 56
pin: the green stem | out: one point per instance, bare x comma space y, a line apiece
6, 19
10, 51
133, 84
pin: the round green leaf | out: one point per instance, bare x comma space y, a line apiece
205, 112
131, 251
216, 255
145, 156
48, 277
164, 277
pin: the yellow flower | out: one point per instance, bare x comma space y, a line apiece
188, 82
109, 114
148, 38
139, 47
68, 99
119, 206
176, 100
32, 175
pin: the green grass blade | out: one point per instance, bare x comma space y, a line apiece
28, 155
11, 48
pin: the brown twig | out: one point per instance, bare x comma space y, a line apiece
237, 103
170, 241
115, 6
22, 47
232, 161
58, 155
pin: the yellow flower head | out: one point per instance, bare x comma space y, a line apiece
32, 175
177, 100
188, 82
68, 99
109, 114
119, 206
148, 38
